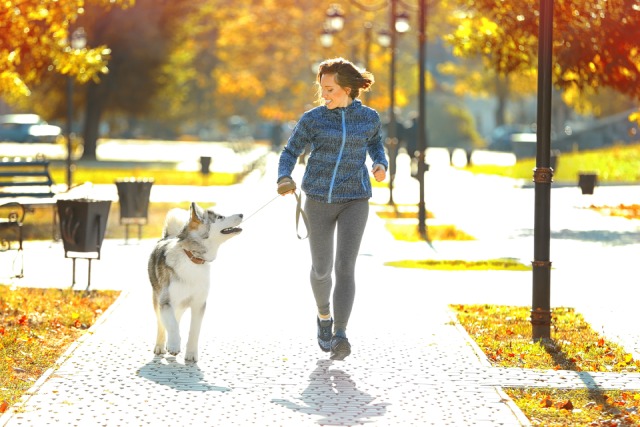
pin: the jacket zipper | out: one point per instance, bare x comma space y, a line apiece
335, 170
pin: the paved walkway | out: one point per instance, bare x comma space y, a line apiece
411, 363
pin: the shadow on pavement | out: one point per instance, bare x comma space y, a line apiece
332, 394
183, 377
613, 238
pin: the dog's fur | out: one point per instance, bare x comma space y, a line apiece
179, 272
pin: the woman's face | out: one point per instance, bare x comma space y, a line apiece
334, 95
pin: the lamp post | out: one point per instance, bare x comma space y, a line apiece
398, 23
542, 177
422, 115
78, 41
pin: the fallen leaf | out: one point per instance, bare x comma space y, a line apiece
566, 404
546, 402
3, 407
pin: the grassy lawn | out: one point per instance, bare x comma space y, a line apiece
36, 328
503, 333
618, 164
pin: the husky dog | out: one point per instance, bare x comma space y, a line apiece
179, 272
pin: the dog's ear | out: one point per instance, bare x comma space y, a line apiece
195, 214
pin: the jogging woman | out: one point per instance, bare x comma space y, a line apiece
341, 131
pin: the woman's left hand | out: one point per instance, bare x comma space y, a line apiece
379, 172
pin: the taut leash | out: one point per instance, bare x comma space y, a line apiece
299, 213
259, 209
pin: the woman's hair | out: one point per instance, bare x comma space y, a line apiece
347, 76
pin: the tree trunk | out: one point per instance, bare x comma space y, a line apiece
96, 100
502, 96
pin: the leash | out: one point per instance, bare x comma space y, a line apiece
259, 209
300, 213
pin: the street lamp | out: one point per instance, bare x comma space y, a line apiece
78, 42
422, 115
543, 177
399, 23
335, 18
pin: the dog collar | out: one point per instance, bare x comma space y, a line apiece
194, 259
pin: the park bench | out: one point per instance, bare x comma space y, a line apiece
11, 220
26, 183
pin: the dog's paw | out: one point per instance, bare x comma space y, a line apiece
191, 356
159, 349
173, 347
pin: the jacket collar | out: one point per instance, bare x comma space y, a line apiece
354, 104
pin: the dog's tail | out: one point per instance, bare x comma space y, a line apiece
174, 222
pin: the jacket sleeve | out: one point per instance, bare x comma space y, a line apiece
376, 148
300, 137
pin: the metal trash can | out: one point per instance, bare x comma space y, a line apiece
587, 182
133, 195
205, 165
83, 223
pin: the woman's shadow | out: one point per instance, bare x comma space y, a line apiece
185, 377
332, 394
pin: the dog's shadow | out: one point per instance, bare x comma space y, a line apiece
332, 394
184, 377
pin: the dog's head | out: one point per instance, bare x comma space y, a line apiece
211, 229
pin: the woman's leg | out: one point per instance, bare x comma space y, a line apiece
351, 224
322, 224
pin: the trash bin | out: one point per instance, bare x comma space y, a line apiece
133, 195
205, 164
587, 182
83, 223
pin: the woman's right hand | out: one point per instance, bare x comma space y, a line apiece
286, 186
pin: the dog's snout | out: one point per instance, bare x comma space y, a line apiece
241, 216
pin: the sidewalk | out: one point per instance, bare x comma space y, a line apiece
259, 362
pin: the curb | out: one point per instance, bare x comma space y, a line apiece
515, 409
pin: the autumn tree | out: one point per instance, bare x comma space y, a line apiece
34, 43
595, 43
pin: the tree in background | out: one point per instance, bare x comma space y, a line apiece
34, 43
596, 44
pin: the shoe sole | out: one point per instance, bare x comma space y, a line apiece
342, 350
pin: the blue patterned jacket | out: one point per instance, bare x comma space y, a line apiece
340, 140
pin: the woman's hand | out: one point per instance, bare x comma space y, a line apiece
286, 186
379, 172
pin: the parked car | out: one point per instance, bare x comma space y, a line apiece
503, 137
27, 128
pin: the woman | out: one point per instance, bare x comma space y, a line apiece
337, 185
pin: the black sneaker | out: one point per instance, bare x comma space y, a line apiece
325, 331
340, 348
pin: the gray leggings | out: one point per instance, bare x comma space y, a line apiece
351, 219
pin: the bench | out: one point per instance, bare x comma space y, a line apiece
25, 178
29, 183
11, 220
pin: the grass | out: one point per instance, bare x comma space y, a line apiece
402, 222
617, 164
503, 333
36, 327
458, 264
37, 225
160, 176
